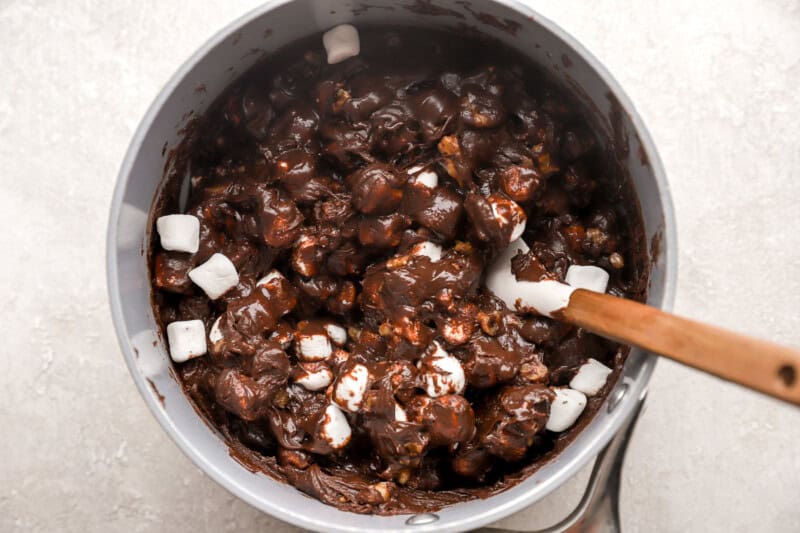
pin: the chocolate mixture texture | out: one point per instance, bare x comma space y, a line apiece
359, 356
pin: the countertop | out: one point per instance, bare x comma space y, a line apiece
716, 83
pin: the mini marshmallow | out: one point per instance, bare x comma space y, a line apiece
509, 212
216, 276
179, 233
336, 333
341, 42
335, 429
591, 377
215, 335
400, 413
428, 249
187, 340
422, 176
587, 277
273, 274
447, 375
350, 388
428, 179
565, 409
546, 297
314, 376
316, 347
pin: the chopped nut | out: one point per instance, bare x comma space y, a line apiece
397, 262
596, 235
384, 489
489, 323
451, 169
448, 145
463, 247
574, 234
281, 399
342, 96
354, 333
402, 477
546, 164
616, 260
386, 330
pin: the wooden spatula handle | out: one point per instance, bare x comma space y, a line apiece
754, 363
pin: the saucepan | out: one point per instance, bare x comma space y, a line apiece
189, 92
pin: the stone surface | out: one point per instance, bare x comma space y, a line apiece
716, 83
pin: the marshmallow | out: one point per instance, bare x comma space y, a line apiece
350, 388
507, 212
315, 347
591, 377
565, 409
428, 249
400, 413
428, 179
341, 42
588, 277
216, 276
273, 274
336, 333
314, 376
215, 335
445, 374
335, 429
546, 297
425, 177
187, 340
180, 233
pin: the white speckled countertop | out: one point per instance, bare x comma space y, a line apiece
717, 84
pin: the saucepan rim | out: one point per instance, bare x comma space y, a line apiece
635, 386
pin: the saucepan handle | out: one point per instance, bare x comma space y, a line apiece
598, 510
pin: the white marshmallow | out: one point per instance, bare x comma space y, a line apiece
216, 276
517, 215
424, 177
428, 179
336, 333
335, 429
215, 335
341, 42
350, 388
565, 409
180, 233
273, 274
587, 277
314, 376
447, 376
315, 347
187, 340
591, 377
428, 249
546, 297
400, 413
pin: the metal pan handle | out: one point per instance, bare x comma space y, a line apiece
598, 510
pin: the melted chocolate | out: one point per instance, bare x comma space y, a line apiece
312, 169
